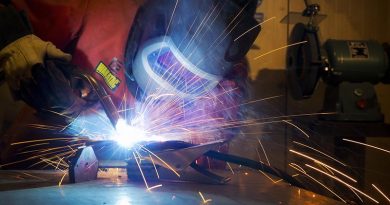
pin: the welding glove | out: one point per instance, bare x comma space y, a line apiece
52, 92
20, 56
20, 50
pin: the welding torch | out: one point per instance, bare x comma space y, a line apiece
104, 98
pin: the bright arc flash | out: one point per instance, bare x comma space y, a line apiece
127, 135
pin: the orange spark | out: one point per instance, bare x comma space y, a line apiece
62, 179
383, 194
343, 182
153, 187
322, 163
372, 146
205, 201
283, 47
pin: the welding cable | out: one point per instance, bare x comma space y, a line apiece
254, 165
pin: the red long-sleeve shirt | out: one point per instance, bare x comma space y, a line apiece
95, 32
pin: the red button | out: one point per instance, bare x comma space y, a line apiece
362, 103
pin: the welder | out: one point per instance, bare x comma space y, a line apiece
44, 44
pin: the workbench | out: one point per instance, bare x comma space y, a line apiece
112, 187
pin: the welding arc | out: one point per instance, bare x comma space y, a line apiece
254, 165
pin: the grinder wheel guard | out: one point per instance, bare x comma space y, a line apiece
303, 61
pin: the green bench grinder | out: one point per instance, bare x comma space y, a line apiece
350, 69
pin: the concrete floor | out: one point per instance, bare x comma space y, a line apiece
112, 188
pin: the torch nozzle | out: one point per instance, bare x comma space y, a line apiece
105, 99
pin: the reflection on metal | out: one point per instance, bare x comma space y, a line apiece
84, 166
175, 165
182, 158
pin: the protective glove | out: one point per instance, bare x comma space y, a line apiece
21, 50
20, 56
51, 92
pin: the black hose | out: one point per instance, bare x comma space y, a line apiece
254, 165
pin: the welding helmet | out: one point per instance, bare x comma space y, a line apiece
161, 68
186, 47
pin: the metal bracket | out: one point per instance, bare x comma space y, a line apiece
84, 166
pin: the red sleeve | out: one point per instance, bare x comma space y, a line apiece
58, 21
93, 31
102, 40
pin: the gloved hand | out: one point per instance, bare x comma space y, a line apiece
20, 50
51, 91
20, 56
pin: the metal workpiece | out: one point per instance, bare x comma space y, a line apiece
174, 165
83, 166
182, 158
166, 164
165, 161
